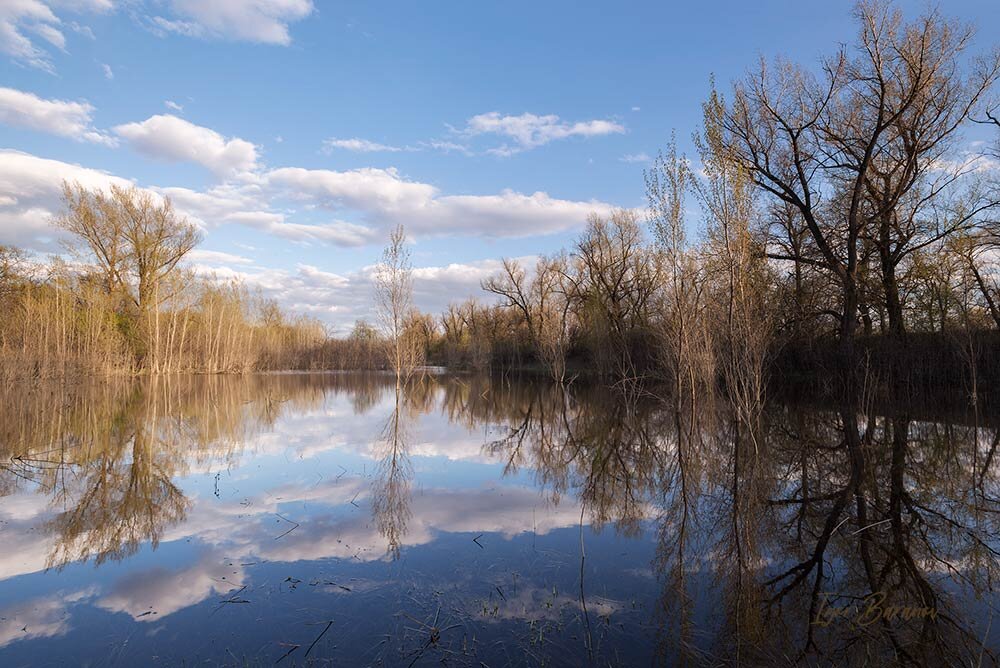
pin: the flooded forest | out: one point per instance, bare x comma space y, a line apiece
752, 422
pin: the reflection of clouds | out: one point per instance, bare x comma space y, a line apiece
43, 617
508, 512
23, 506
532, 604
248, 529
245, 528
249, 532
28, 554
335, 426
152, 594
235, 525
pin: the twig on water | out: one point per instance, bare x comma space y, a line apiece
232, 599
285, 655
328, 625
290, 530
583, 600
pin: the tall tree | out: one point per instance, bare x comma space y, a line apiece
394, 297
135, 240
849, 151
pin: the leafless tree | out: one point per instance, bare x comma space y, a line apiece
136, 242
394, 297
850, 150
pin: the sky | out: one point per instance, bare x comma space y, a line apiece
297, 133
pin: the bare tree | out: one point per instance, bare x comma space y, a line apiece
736, 269
135, 241
849, 151
394, 297
683, 328
544, 305
616, 278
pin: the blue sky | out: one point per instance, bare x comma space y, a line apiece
297, 133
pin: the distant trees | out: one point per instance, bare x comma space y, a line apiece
543, 302
130, 307
834, 206
616, 278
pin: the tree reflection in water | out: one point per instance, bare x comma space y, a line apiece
838, 534
391, 490
779, 534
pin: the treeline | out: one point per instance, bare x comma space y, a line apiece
125, 306
836, 221
843, 221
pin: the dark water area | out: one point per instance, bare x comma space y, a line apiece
322, 519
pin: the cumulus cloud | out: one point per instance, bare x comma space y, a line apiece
30, 194
108, 72
172, 139
386, 199
377, 199
19, 18
368, 188
59, 117
530, 130
170, 104
340, 299
338, 232
358, 145
261, 21
381, 198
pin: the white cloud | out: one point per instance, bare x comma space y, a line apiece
368, 188
167, 137
635, 157
381, 197
170, 104
338, 233
385, 199
359, 146
448, 147
262, 21
108, 72
18, 17
30, 194
341, 299
82, 30
58, 117
509, 214
201, 255
530, 130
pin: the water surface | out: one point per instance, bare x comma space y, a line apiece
323, 519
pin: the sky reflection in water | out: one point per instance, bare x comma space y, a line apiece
230, 520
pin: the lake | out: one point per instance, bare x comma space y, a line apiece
321, 519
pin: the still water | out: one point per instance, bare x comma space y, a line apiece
321, 519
